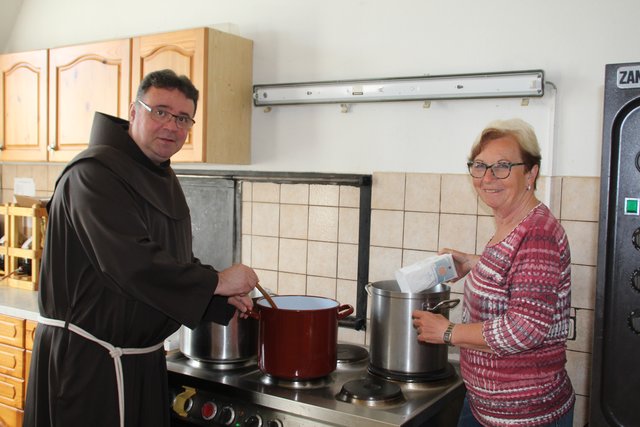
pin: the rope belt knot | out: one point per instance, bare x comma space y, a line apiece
115, 352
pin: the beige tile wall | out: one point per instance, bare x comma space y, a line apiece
414, 215
302, 239
43, 175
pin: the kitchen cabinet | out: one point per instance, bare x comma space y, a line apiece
84, 79
29, 334
12, 379
23, 106
220, 66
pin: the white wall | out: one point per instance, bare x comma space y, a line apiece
571, 40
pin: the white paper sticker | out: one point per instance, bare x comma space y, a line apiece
628, 77
24, 186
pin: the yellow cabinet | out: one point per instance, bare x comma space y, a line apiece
220, 66
84, 79
23, 106
29, 335
10, 417
12, 379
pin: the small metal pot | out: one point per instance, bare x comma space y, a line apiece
210, 342
394, 347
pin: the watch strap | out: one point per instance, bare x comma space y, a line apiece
448, 333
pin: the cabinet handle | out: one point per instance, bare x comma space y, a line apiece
1, 146
51, 147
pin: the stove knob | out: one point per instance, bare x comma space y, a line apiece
635, 280
227, 415
275, 423
209, 410
635, 239
182, 402
253, 421
634, 321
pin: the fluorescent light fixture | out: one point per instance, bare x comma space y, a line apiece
515, 84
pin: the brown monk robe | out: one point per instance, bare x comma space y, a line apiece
117, 263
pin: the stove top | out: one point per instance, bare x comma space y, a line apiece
349, 396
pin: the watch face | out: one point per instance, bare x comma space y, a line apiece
447, 334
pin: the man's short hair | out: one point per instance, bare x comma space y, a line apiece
168, 79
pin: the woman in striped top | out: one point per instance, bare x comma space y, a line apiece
517, 297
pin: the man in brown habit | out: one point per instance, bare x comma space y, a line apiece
118, 273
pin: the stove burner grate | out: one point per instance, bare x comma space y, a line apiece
221, 365
302, 384
424, 377
351, 353
371, 392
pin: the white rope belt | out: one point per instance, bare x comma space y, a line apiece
114, 352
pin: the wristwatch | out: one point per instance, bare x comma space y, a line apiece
447, 334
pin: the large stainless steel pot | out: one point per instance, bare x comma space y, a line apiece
210, 342
394, 347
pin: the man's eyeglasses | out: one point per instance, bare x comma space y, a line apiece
163, 116
500, 170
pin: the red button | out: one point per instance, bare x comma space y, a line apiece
209, 410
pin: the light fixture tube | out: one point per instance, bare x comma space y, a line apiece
516, 84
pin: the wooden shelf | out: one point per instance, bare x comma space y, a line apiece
15, 219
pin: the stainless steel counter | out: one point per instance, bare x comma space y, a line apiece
18, 302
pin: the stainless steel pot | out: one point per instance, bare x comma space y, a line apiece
211, 342
394, 347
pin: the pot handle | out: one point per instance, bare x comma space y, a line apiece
447, 304
344, 310
367, 288
253, 314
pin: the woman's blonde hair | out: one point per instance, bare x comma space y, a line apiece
521, 131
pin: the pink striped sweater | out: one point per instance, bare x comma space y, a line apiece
520, 290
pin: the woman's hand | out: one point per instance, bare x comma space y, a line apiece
464, 262
430, 327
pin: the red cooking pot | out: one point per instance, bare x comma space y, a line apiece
298, 340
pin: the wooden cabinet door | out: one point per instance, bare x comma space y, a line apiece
12, 361
10, 417
182, 52
12, 331
85, 79
23, 106
12, 391
29, 333
220, 66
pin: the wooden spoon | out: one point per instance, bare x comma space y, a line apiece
266, 295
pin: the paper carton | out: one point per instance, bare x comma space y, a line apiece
426, 274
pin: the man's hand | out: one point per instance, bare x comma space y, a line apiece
237, 280
242, 303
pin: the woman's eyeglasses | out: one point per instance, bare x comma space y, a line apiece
500, 170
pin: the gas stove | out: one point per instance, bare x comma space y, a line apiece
206, 394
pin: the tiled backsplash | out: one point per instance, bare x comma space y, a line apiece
303, 238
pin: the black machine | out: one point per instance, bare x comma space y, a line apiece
615, 383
